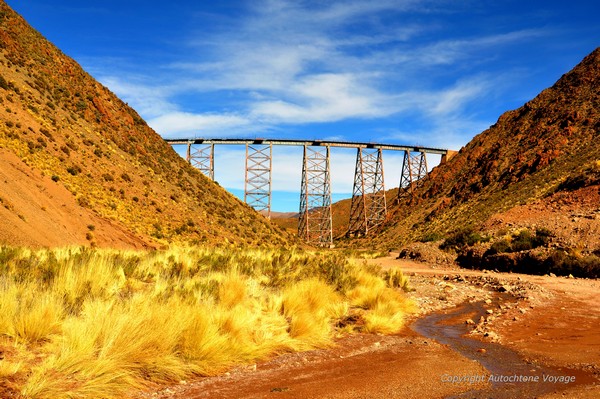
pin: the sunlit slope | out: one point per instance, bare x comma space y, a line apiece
69, 130
548, 146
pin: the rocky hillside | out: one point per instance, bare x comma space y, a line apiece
80, 166
537, 167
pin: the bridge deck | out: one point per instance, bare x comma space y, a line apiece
323, 143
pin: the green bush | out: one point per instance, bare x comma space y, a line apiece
463, 238
430, 237
523, 241
499, 247
74, 170
562, 263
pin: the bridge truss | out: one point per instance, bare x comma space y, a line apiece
257, 187
314, 225
368, 209
414, 169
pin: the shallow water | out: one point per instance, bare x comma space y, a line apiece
510, 375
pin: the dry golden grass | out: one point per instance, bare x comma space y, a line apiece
102, 323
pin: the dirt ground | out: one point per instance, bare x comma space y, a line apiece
38, 212
551, 324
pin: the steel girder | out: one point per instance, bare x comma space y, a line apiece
315, 225
257, 189
368, 209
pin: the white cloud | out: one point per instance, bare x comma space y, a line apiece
148, 100
455, 98
186, 124
293, 63
323, 98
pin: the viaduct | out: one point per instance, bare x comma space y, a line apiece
368, 209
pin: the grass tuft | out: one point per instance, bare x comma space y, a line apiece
92, 323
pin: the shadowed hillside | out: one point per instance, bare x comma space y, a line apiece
80, 166
538, 166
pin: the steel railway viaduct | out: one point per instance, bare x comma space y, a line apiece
368, 209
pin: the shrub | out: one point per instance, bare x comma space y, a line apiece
431, 237
126, 177
81, 105
463, 238
396, 279
525, 240
108, 177
563, 263
74, 170
3, 83
499, 247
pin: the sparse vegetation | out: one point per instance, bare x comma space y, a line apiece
90, 323
431, 237
97, 146
589, 175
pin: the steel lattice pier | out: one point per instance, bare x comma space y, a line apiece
368, 209
315, 197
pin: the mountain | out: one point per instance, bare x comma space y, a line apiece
79, 166
537, 167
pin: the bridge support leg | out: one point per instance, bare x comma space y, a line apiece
257, 189
414, 168
315, 197
201, 157
368, 209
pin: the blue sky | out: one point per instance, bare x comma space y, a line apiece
433, 73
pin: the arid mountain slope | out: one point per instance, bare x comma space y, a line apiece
63, 132
544, 155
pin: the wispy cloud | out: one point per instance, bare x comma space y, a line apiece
284, 63
322, 98
186, 124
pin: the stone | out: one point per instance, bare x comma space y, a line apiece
469, 322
